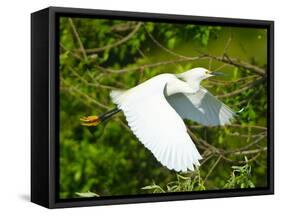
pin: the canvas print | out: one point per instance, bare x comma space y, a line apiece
160, 107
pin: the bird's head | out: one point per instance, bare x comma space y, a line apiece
197, 74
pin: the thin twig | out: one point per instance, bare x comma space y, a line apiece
242, 89
254, 151
206, 159
231, 125
122, 27
261, 137
94, 84
230, 82
212, 168
72, 53
241, 161
157, 64
161, 63
210, 64
220, 67
73, 89
163, 47
224, 58
246, 135
124, 125
239, 63
119, 42
78, 39
228, 42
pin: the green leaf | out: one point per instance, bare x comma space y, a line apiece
149, 26
171, 43
221, 139
235, 73
87, 194
252, 114
149, 187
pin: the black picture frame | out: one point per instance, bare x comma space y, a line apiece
45, 100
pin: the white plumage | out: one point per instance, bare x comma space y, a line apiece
155, 111
201, 107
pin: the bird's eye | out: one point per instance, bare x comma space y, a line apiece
207, 72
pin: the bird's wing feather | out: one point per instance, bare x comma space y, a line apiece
201, 107
158, 126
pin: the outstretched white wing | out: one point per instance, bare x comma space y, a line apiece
201, 107
157, 125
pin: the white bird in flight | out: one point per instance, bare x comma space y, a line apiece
155, 110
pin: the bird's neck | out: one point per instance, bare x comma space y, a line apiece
194, 84
175, 86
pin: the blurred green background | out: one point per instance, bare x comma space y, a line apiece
99, 55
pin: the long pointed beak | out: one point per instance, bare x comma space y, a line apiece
215, 73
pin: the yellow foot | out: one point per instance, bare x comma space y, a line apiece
90, 121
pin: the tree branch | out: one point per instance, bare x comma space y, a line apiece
238, 63
76, 34
121, 41
93, 84
212, 168
254, 151
240, 90
165, 48
232, 125
224, 58
73, 90
161, 63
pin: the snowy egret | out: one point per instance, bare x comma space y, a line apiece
155, 110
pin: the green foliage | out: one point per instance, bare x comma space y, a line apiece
117, 54
240, 177
187, 182
176, 34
